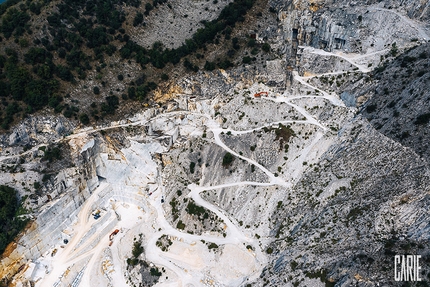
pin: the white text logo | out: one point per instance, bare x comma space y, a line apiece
407, 267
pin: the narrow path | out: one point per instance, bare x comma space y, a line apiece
331, 97
348, 56
272, 178
383, 51
349, 59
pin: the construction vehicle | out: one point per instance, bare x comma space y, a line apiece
96, 215
257, 95
113, 234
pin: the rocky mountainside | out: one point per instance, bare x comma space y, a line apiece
307, 167
399, 107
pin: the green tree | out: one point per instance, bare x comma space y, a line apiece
209, 66
148, 8
246, 59
192, 166
266, 47
10, 224
138, 19
137, 249
227, 159
84, 119
96, 90
251, 42
164, 77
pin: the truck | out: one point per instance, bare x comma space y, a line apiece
96, 214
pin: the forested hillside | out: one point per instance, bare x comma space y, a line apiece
50, 48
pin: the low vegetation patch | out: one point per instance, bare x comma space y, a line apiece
164, 243
227, 159
194, 209
37, 70
422, 119
10, 223
283, 133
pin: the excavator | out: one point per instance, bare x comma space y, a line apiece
115, 232
257, 95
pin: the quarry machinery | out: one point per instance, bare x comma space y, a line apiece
111, 236
257, 95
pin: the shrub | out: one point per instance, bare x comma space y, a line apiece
213, 246
225, 64
371, 108
293, 265
251, 43
96, 90
180, 225
137, 249
111, 105
132, 261
46, 177
194, 209
404, 135
227, 159
52, 153
209, 66
148, 8
246, 59
85, 120
192, 166
155, 272
266, 47
394, 50
10, 225
284, 133
138, 19
190, 66
164, 77
421, 73
235, 42
422, 119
